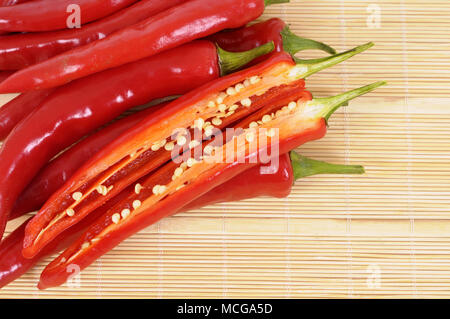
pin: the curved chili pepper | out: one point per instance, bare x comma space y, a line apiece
15, 110
21, 50
249, 184
122, 172
271, 30
7, 3
169, 29
57, 171
173, 186
40, 15
76, 109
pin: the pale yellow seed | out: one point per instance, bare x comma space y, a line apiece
208, 149
156, 147
77, 196
100, 189
137, 188
253, 125
183, 165
230, 113
162, 143
216, 121
266, 118
209, 130
110, 188
247, 83
199, 123
191, 162
85, 245
246, 102
125, 213
115, 218
221, 98
222, 107
255, 79
70, 212
292, 106
181, 140
250, 137
234, 107
162, 189
271, 132
239, 87
169, 146
104, 191
231, 91
194, 144
156, 189
137, 204
211, 104
178, 172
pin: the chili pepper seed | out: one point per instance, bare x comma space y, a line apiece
115, 218
136, 204
125, 213
77, 196
70, 212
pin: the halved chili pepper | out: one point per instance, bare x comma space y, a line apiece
169, 29
279, 68
172, 187
250, 184
15, 110
271, 30
78, 108
21, 50
40, 15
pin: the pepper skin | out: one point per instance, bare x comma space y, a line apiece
39, 15
18, 108
5, 74
158, 195
78, 108
21, 50
57, 171
143, 149
271, 30
7, 3
249, 184
178, 25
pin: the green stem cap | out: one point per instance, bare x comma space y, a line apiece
293, 44
306, 68
325, 107
270, 2
232, 61
304, 167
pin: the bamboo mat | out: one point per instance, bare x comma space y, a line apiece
384, 234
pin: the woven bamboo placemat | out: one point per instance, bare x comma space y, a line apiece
384, 234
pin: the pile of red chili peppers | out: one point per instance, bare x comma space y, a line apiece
89, 145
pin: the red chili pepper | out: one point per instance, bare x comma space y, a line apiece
166, 192
249, 184
7, 3
15, 110
21, 50
76, 109
148, 159
271, 30
39, 15
169, 29
5, 74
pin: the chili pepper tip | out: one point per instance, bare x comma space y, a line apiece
293, 44
270, 2
304, 167
232, 61
306, 68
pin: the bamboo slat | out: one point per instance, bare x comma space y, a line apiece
382, 235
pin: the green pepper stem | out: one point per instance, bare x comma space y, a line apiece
306, 68
304, 167
293, 44
270, 2
325, 107
232, 61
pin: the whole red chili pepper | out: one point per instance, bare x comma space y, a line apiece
15, 110
174, 186
147, 160
271, 30
74, 110
21, 50
249, 184
40, 15
169, 29
7, 3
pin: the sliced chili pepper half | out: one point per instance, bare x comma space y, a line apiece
172, 187
143, 149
